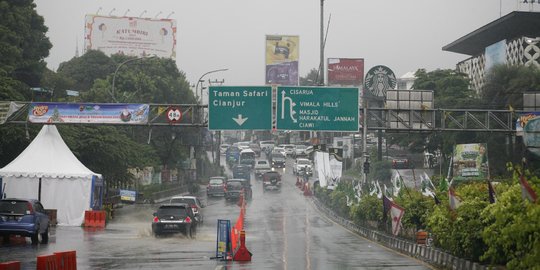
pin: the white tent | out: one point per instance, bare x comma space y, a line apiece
48, 169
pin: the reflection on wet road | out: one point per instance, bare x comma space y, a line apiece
283, 231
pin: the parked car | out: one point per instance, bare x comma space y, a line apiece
237, 186
261, 166
174, 218
302, 165
271, 180
216, 186
24, 217
277, 160
194, 203
300, 151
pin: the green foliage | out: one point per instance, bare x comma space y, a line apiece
85, 70
311, 79
379, 170
368, 209
505, 85
23, 44
418, 209
513, 226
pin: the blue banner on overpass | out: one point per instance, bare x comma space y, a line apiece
88, 113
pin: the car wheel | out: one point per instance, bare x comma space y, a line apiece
45, 236
5, 238
35, 238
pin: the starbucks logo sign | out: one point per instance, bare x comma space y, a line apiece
379, 79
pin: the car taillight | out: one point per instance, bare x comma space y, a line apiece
187, 220
156, 219
30, 209
194, 207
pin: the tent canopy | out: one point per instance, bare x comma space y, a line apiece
47, 156
49, 171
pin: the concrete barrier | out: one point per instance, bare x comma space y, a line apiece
13, 265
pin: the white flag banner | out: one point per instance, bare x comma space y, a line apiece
396, 213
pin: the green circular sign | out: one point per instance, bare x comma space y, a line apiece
379, 79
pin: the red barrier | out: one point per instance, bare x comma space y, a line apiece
95, 219
242, 254
47, 262
66, 260
13, 265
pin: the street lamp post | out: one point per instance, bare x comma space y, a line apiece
118, 68
201, 80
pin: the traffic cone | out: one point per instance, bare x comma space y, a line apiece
241, 199
242, 254
307, 190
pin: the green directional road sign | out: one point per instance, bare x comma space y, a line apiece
317, 108
240, 107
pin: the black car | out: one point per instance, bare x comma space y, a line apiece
277, 160
174, 218
236, 186
24, 217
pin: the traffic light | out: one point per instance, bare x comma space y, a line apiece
366, 167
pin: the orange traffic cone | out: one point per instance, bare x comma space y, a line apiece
307, 190
241, 199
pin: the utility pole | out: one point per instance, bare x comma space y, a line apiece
321, 64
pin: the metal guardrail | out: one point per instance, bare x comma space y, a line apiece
431, 255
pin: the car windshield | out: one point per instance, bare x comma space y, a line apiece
216, 181
301, 147
183, 200
262, 162
277, 155
13, 207
172, 211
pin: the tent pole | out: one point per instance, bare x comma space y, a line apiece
39, 190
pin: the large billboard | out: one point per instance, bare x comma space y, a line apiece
282, 60
131, 36
470, 162
345, 71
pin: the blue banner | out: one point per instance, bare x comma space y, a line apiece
128, 195
223, 243
88, 113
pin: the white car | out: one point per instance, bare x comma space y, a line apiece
262, 166
300, 164
196, 205
289, 149
300, 150
280, 150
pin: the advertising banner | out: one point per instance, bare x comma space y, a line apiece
531, 135
523, 119
345, 71
88, 113
282, 60
128, 195
131, 36
223, 241
470, 162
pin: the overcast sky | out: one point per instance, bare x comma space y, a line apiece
215, 34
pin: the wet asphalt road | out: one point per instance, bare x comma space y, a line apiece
283, 231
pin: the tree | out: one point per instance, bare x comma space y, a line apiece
85, 70
311, 79
23, 44
506, 84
